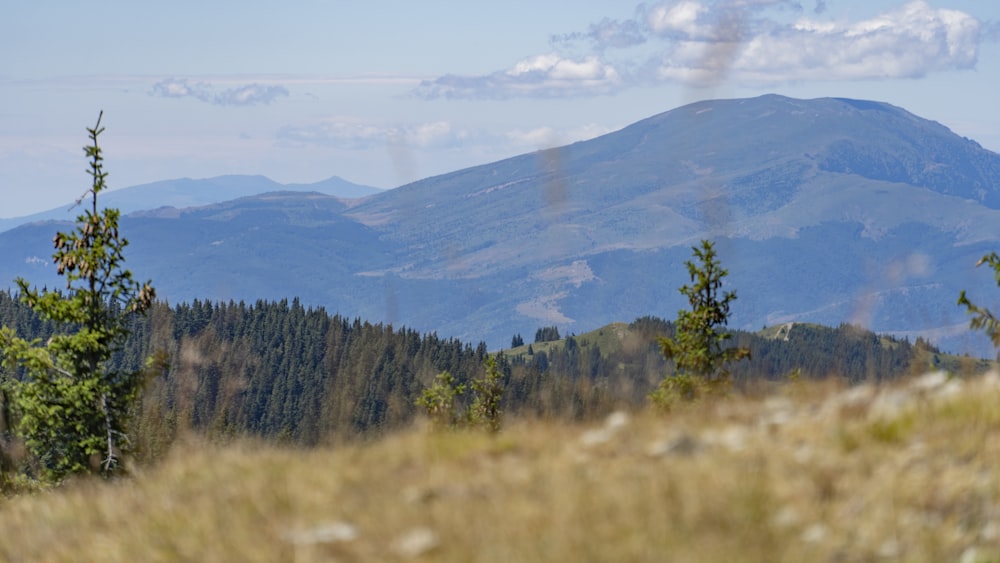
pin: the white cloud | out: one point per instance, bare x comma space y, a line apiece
548, 137
352, 134
431, 134
251, 94
348, 133
552, 67
909, 42
684, 17
543, 137
547, 75
752, 42
336, 133
607, 33
181, 88
243, 95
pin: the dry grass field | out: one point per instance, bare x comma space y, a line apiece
807, 471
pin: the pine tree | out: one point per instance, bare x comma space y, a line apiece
487, 393
697, 348
72, 406
547, 334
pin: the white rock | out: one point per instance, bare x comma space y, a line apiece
970, 555
803, 453
330, 532
596, 437
778, 404
990, 380
950, 389
682, 444
786, 517
889, 549
732, 438
990, 532
930, 381
616, 420
814, 534
856, 396
890, 404
415, 543
612, 424
778, 411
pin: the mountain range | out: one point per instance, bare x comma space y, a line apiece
826, 211
187, 192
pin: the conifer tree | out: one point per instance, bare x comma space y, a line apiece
698, 346
439, 400
982, 318
487, 393
72, 406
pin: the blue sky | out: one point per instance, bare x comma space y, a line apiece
386, 92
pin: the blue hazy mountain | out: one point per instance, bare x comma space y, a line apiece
826, 211
187, 192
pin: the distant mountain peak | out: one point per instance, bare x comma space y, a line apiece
827, 210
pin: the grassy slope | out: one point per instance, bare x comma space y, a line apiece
806, 472
617, 336
610, 338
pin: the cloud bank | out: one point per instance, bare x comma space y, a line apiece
700, 43
246, 95
547, 75
352, 134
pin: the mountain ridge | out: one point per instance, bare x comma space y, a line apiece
187, 192
823, 210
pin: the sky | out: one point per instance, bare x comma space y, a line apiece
384, 92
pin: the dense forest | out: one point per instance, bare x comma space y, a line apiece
295, 374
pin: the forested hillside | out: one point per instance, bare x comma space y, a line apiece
814, 351
282, 371
273, 369
620, 363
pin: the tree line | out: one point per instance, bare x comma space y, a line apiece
282, 370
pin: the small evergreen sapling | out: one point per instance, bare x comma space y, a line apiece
439, 400
487, 393
698, 346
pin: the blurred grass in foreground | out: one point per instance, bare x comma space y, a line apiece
809, 471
